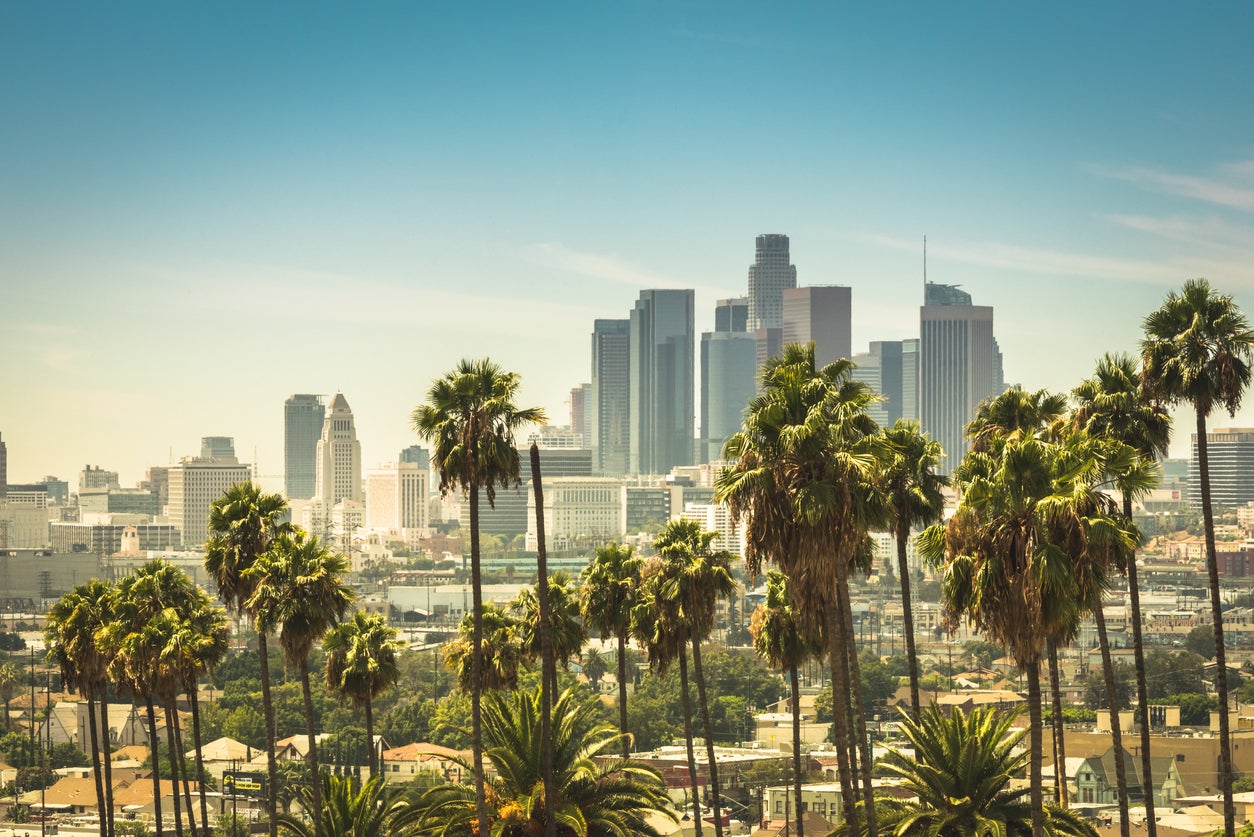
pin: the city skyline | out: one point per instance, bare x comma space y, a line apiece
189, 194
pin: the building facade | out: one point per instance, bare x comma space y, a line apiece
769, 276
661, 405
194, 484
610, 396
822, 315
1230, 457
586, 510
728, 382
397, 496
338, 473
303, 416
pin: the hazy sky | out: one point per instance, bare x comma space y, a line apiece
207, 207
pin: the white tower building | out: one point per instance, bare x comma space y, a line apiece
396, 496
338, 474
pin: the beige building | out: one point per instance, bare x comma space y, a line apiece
397, 496
402, 764
585, 508
338, 459
194, 484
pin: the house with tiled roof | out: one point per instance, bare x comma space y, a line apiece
402, 764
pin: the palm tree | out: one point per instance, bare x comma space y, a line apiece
696, 577
500, 654
361, 665
373, 810
780, 640
73, 624
566, 630
1113, 404
803, 479
243, 522
960, 773
916, 499
1014, 415
1197, 349
298, 589
470, 420
596, 796
594, 667
10, 679
605, 601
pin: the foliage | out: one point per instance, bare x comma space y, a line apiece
10, 642
1168, 673
373, 810
1201, 641
67, 754
231, 825
132, 828
1095, 687
1195, 709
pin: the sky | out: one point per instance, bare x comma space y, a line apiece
205, 208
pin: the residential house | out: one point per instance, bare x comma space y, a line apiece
402, 764
1095, 781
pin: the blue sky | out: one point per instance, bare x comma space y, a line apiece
207, 207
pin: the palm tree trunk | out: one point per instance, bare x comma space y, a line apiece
1142, 692
692, 757
699, 675
93, 731
548, 666
907, 618
272, 764
156, 762
476, 661
108, 753
622, 691
864, 746
1116, 731
1216, 612
796, 745
315, 777
200, 762
1055, 727
1034, 757
182, 763
374, 748
172, 744
840, 718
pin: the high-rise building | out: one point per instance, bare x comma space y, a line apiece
769, 276
338, 474
221, 448
732, 314
822, 315
507, 516
881, 368
769, 342
957, 366
728, 375
581, 413
4, 469
194, 483
303, 416
910, 379
1230, 461
396, 496
96, 477
609, 407
417, 455
661, 379
58, 490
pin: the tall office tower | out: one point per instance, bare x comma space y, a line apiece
418, 455
1230, 457
769, 343
609, 407
661, 376
957, 366
910, 379
93, 476
194, 483
221, 448
822, 314
396, 496
732, 314
769, 276
580, 412
338, 475
881, 368
302, 427
728, 371
4, 469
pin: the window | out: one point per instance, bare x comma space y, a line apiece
779, 807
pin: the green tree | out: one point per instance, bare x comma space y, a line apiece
500, 652
470, 419
10, 680
1201, 641
1197, 349
960, 773
915, 495
361, 665
1095, 692
566, 630
298, 588
341, 809
605, 601
243, 523
594, 667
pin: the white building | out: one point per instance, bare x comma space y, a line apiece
717, 518
577, 507
397, 496
194, 484
338, 474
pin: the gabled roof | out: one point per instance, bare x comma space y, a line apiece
224, 749
422, 752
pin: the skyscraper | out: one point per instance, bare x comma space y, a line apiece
581, 412
823, 315
769, 276
881, 367
221, 448
661, 381
302, 426
416, 455
338, 474
194, 483
732, 314
609, 410
728, 375
958, 365
396, 496
4, 469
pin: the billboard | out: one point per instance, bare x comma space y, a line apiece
238, 783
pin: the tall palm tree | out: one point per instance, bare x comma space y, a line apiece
915, 495
1113, 404
606, 597
10, 679
960, 774
779, 639
500, 652
73, 624
298, 589
566, 629
470, 419
373, 810
1197, 349
361, 665
1014, 415
803, 478
243, 522
595, 796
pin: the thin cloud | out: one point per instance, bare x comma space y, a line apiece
1207, 189
1209, 232
606, 268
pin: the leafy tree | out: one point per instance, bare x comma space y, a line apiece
1201, 641
1095, 688
231, 825
408, 722
1195, 708
132, 828
67, 754
11, 643
1168, 673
